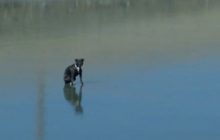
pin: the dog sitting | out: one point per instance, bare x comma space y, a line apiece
72, 71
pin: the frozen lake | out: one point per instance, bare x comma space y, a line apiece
151, 70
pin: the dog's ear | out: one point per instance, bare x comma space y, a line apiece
76, 60
82, 61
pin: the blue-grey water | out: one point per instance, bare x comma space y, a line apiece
151, 70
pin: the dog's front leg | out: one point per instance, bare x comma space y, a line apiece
71, 83
72, 79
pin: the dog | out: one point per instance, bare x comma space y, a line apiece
72, 71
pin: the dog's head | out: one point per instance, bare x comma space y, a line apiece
79, 62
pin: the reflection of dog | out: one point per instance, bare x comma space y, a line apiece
72, 71
72, 97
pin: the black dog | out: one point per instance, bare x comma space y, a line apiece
72, 71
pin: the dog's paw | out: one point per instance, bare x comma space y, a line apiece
70, 84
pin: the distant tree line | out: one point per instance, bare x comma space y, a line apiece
31, 10
104, 3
